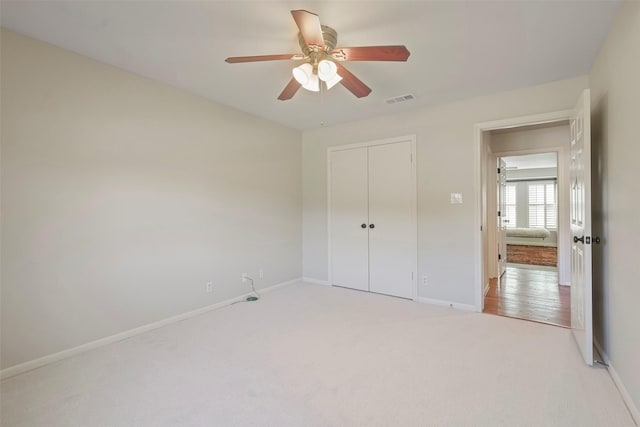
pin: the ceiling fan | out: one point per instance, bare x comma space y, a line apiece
322, 59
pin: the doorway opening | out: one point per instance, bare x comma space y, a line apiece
574, 209
531, 210
524, 206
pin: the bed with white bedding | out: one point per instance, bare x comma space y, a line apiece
531, 232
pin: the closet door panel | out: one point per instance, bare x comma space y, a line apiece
349, 211
390, 212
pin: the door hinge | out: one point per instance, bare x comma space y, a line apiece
498, 170
499, 257
499, 213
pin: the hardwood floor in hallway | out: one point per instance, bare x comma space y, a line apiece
530, 294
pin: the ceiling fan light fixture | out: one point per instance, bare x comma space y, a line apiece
318, 45
327, 70
303, 73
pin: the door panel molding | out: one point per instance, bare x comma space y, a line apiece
580, 215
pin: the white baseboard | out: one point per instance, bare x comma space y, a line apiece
273, 287
55, 357
631, 406
316, 281
457, 306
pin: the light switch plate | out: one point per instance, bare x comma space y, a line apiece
456, 198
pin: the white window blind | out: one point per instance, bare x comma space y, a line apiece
542, 205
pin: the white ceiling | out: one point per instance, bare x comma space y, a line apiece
458, 49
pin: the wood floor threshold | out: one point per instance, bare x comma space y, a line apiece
532, 295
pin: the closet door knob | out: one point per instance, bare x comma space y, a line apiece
372, 226
364, 226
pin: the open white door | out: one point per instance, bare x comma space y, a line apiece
580, 217
502, 218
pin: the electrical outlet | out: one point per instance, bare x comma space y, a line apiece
261, 273
244, 277
209, 287
425, 280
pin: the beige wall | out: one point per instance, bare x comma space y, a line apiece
446, 163
122, 197
615, 95
531, 138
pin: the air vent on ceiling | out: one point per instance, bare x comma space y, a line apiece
401, 98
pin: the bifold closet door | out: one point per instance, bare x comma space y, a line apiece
349, 219
391, 241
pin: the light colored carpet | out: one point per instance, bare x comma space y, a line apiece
309, 355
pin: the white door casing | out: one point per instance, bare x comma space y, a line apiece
480, 129
580, 223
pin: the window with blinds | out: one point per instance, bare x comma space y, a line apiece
511, 206
542, 205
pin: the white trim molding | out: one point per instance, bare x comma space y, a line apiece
450, 304
316, 281
626, 397
64, 354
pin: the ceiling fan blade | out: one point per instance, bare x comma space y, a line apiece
371, 53
309, 25
352, 83
236, 59
290, 90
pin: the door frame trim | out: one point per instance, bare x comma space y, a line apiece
479, 129
414, 208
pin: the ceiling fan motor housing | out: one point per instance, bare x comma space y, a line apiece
330, 37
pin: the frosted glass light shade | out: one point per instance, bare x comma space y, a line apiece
334, 81
312, 84
327, 70
303, 73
